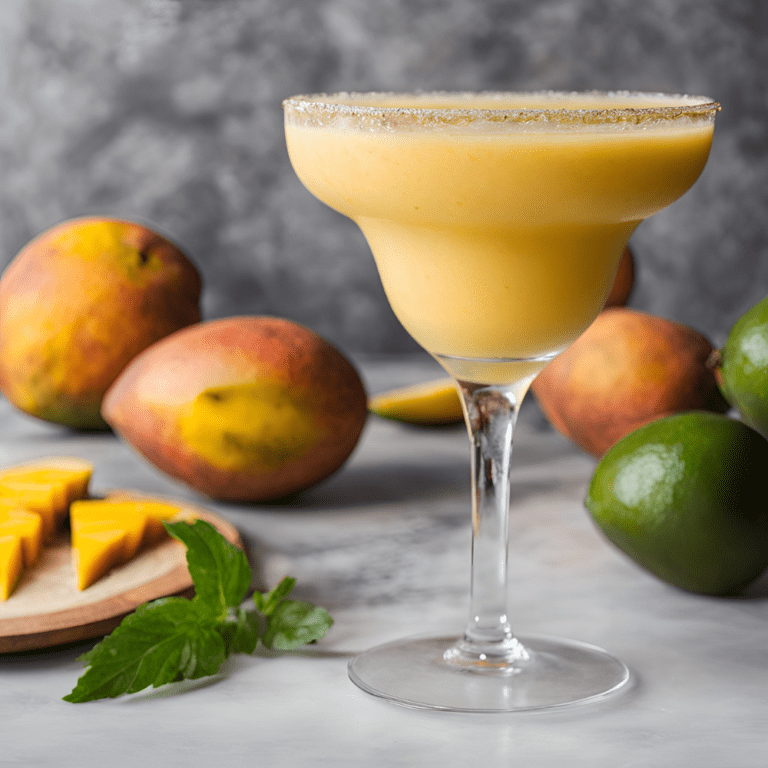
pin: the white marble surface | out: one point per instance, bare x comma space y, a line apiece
384, 545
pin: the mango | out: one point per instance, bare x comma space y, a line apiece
21, 536
80, 301
95, 551
27, 526
624, 281
153, 511
627, 369
70, 474
109, 532
429, 403
247, 409
11, 564
46, 487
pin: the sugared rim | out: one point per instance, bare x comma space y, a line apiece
329, 107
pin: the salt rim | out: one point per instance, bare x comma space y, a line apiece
348, 109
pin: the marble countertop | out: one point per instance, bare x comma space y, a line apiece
384, 545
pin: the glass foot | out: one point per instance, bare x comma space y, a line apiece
415, 673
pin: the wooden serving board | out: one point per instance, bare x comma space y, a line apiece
47, 609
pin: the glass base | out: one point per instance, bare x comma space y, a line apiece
415, 673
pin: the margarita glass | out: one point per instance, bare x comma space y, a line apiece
497, 221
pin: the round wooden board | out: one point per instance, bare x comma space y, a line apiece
47, 609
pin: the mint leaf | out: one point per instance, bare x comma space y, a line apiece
241, 630
290, 623
219, 570
293, 623
162, 641
266, 602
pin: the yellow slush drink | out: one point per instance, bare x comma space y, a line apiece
498, 238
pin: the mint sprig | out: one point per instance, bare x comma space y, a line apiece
174, 638
290, 623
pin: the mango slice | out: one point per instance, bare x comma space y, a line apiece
86, 520
109, 532
153, 510
11, 564
69, 473
46, 486
429, 403
27, 526
45, 501
96, 551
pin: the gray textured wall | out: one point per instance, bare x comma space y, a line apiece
168, 111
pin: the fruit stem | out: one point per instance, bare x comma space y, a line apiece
714, 361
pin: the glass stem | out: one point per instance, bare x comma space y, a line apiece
491, 413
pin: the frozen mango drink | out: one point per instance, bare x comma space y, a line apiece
497, 222
497, 228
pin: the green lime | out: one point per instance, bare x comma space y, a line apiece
685, 498
744, 366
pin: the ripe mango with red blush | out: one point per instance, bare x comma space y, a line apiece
245, 409
77, 303
626, 370
624, 281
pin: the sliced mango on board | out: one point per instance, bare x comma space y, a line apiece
44, 500
46, 486
154, 510
34, 501
11, 564
96, 551
28, 527
429, 403
109, 532
69, 473
82, 520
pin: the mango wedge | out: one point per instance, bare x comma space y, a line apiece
429, 403
69, 472
46, 486
109, 532
130, 526
95, 552
11, 564
154, 511
45, 501
27, 527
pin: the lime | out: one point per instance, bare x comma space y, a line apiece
684, 497
744, 366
